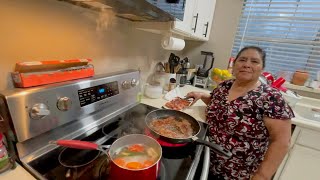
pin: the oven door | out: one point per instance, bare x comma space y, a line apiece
205, 163
202, 170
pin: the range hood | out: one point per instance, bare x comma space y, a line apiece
138, 10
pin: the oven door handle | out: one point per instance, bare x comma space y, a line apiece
206, 163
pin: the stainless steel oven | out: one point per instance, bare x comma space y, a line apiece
99, 109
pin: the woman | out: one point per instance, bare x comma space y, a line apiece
250, 119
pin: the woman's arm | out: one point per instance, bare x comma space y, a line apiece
280, 135
199, 95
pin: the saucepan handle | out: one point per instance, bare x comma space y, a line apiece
77, 144
215, 147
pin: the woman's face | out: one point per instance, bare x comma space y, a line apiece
248, 66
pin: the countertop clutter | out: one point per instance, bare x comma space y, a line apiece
197, 111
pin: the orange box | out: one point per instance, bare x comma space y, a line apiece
58, 71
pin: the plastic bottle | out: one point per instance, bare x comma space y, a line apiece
4, 160
3, 150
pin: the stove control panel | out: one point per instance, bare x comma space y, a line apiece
64, 104
134, 82
96, 93
126, 85
39, 111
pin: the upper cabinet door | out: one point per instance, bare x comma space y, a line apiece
184, 27
196, 23
202, 19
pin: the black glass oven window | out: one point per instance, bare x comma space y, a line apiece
93, 94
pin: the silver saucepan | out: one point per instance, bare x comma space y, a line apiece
178, 115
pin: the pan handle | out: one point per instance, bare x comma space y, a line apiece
76, 144
216, 148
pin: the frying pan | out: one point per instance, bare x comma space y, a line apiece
164, 113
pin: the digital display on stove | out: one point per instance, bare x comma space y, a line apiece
102, 90
97, 93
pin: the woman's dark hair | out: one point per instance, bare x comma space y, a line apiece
260, 51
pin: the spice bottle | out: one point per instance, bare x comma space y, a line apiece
172, 84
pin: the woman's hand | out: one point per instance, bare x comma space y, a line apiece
198, 95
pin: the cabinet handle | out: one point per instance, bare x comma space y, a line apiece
207, 25
195, 25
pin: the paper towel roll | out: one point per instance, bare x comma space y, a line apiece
172, 43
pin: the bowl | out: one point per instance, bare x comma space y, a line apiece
153, 91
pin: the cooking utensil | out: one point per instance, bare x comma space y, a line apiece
173, 62
118, 172
76, 160
167, 67
164, 113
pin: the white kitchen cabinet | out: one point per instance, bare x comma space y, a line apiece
303, 158
302, 163
202, 19
196, 23
309, 138
184, 27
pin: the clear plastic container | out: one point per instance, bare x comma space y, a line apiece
4, 159
3, 150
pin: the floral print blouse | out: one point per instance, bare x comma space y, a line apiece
239, 127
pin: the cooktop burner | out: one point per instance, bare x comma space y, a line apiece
176, 162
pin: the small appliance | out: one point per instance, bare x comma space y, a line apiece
201, 77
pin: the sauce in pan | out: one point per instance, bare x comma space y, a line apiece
172, 127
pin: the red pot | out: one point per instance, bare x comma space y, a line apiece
120, 173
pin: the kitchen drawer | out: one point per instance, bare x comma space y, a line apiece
309, 138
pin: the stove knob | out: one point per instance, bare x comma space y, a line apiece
39, 111
134, 82
126, 84
64, 104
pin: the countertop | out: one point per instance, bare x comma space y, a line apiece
197, 110
18, 173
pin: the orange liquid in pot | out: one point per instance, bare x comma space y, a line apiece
137, 156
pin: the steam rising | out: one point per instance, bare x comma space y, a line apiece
106, 19
134, 120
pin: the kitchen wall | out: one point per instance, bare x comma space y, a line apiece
50, 29
35, 30
225, 22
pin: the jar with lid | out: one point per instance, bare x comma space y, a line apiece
172, 84
300, 77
